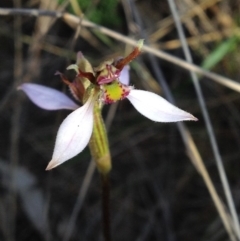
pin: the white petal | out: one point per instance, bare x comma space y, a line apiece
156, 108
73, 134
48, 98
124, 75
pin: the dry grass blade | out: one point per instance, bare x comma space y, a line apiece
189, 143
199, 164
211, 134
167, 24
155, 192
194, 41
73, 21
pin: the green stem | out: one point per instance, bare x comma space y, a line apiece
99, 148
105, 207
98, 144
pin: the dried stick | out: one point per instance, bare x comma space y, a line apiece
74, 21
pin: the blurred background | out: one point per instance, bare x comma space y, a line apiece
161, 176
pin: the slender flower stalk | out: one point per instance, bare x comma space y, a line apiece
93, 88
105, 206
98, 144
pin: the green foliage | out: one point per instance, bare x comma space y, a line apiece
220, 52
102, 12
105, 12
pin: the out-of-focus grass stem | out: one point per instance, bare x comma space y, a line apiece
187, 139
15, 128
207, 120
73, 21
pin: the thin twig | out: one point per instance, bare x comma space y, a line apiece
73, 21
76, 34
30, 12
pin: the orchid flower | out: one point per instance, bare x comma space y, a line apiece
94, 87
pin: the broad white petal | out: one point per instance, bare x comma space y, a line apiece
73, 134
156, 108
47, 98
124, 75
